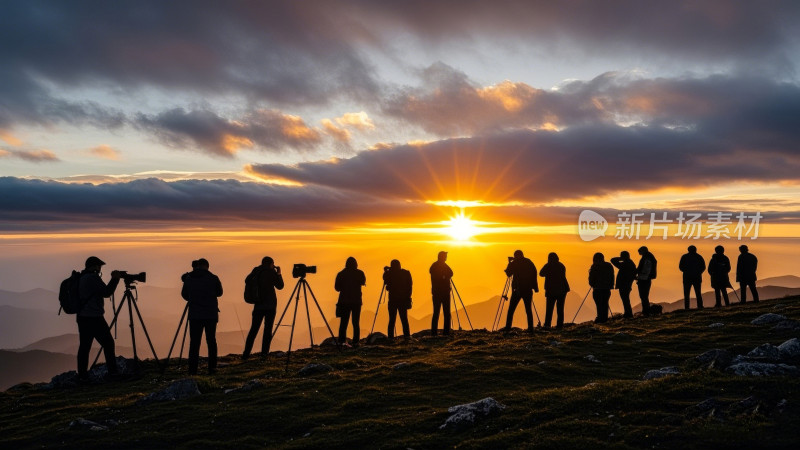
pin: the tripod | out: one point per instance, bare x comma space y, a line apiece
130, 287
579, 308
381, 299
306, 289
454, 293
498, 316
183, 340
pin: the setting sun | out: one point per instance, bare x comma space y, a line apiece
461, 228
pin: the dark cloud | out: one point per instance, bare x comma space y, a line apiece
266, 129
223, 203
36, 156
685, 133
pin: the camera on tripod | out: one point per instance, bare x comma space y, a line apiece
300, 270
129, 278
510, 258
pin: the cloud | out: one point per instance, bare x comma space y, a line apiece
10, 139
340, 134
105, 152
268, 130
36, 156
359, 120
645, 135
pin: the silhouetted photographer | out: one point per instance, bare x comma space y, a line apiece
601, 279
441, 275
646, 272
746, 267
201, 288
91, 319
523, 285
260, 288
693, 266
626, 273
555, 289
718, 268
399, 284
348, 284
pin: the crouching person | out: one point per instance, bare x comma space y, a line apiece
201, 289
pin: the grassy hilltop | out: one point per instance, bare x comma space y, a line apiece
555, 397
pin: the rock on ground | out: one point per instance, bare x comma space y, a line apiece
401, 365
765, 352
768, 318
715, 359
716, 325
377, 338
314, 369
790, 349
787, 325
80, 422
591, 358
96, 375
660, 373
177, 390
759, 369
247, 387
469, 413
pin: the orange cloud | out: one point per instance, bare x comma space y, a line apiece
105, 152
9, 138
340, 134
359, 120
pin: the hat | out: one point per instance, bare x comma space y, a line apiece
94, 261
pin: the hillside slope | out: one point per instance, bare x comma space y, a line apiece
555, 397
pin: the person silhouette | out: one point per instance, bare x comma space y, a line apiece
718, 268
601, 279
692, 265
746, 267
645, 274
524, 283
626, 274
91, 319
348, 283
268, 277
441, 274
398, 284
556, 287
201, 289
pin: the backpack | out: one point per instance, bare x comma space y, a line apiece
251, 286
69, 294
654, 271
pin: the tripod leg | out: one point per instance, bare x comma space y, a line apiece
462, 305
323, 317
539, 322
499, 305
377, 308
177, 332
291, 336
455, 307
183, 341
146, 334
113, 322
579, 307
308, 315
277, 325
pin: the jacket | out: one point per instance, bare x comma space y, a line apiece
746, 268
441, 274
399, 284
601, 276
626, 273
646, 267
268, 280
692, 265
524, 273
92, 290
201, 289
348, 284
719, 267
555, 279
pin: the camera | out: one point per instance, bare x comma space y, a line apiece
510, 258
129, 278
300, 270
386, 268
